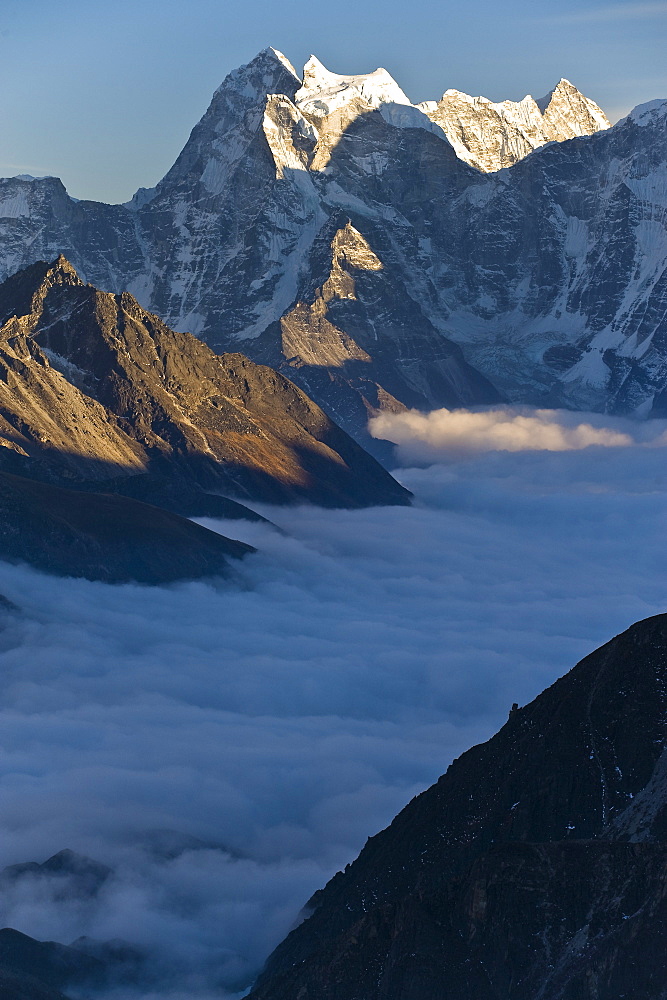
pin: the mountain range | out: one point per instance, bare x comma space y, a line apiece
114, 429
388, 255
322, 250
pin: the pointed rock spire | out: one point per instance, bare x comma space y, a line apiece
61, 272
269, 72
567, 113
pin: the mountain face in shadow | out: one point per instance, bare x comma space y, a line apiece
327, 226
38, 970
105, 537
95, 389
534, 869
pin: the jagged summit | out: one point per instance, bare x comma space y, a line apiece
22, 295
490, 135
486, 135
567, 113
270, 66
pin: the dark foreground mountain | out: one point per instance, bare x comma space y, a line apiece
105, 537
94, 389
38, 970
534, 869
327, 226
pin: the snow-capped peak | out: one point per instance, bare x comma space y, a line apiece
268, 73
646, 114
270, 52
316, 76
323, 92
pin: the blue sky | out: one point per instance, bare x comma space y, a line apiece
104, 95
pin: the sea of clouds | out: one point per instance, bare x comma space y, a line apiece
283, 716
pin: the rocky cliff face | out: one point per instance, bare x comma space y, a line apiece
93, 387
542, 283
534, 868
492, 136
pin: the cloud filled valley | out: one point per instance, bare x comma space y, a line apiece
274, 721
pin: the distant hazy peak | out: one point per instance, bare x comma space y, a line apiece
323, 92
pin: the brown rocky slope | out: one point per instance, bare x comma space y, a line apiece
94, 388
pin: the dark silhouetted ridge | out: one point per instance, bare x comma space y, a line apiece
534, 869
105, 537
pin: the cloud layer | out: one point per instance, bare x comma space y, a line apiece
287, 715
442, 433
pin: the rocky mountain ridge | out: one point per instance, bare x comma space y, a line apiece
95, 388
540, 283
102, 536
491, 136
534, 869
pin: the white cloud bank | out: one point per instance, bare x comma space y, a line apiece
288, 716
442, 433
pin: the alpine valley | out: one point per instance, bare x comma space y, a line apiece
187, 757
